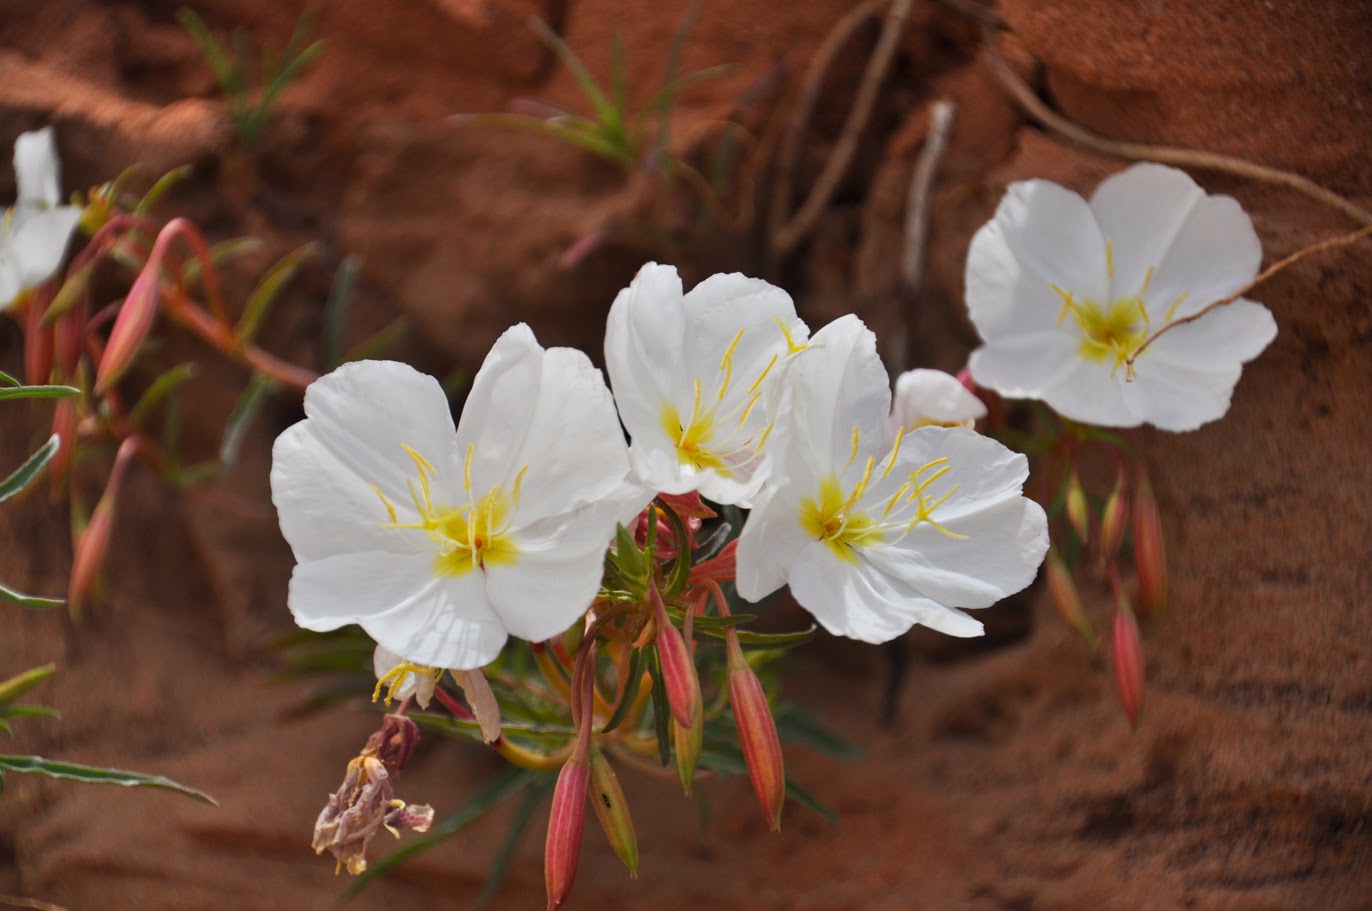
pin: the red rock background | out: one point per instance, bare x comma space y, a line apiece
1009, 778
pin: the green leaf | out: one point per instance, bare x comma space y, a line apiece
38, 392
7, 380
796, 794
221, 253
776, 640
794, 725
241, 419
20, 684
5, 726
604, 108
161, 387
661, 710
336, 310
24, 475
159, 189
37, 765
265, 294
500, 864
29, 711
32, 602
381, 341
632, 681
554, 734
487, 798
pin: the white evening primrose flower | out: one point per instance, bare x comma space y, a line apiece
35, 231
1066, 293
693, 378
439, 541
932, 398
400, 679
875, 538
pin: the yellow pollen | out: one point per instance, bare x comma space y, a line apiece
727, 364
792, 346
393, 679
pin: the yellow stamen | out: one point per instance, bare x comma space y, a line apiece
1110, 258
727, 364
895, 451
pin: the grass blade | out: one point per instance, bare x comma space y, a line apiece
249, 403
336, 310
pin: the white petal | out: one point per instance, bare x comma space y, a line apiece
1023, 366
37, 170
363, 412
1239, 331
932, 396
857, 601
1215, 253
10, 283
574, 448
326, 508
836, 384
983, 471
498, 414
769, 546
1005, 298
1179, 398
39, 244
1092, 392
1000, 555
644, 336
1141, 210
1052, 233
720, 306
436, 621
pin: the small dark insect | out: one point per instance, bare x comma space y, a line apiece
605, 799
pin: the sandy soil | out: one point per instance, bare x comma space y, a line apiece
1009, 778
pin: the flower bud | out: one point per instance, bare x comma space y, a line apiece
1076, 507
1128, 660
1062, 588
65, 418
38, 342
1114, 518
69, 335
678, 670
94, 541
687, 742
757, 734
566, 820
1150, 558
613, 811
132, 325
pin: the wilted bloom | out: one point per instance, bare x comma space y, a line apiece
932, 398
1066, 293
442, 542
36, 229
874, 538
691, 375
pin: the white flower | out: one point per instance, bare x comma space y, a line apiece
874, 538
36, 230
400, 679
692, 377
932, 398
1063, 293
440, 542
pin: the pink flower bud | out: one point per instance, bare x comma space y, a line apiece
1150, 557
566, 821
69, 337
1062, 588
612, 810
1128, 660
38, 341
134, 322
687, 742
678, 670
757, 733
1115, 518
95, 538
65, 418
1076, 507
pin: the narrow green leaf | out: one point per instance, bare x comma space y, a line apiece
5, 727
29, 711
487, 798
20, 684
38, 392
164, 184
556, 734
632, 681
776, 640
381, 341
796, 794
667, 93
265, 294
711, 625
589, 137
24, 475
795, 725
243, 413
221, 253
604, 108
7, 380
161, 387
336, 310
37, 765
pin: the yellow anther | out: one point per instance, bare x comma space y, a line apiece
727, 364
895, 451
395, 677
519, 480
1172, 310
1110, 258
792, 346
857, 436
766, 432
763, 375
861, 487
467, 468
390, 510
1147, 279
752, 403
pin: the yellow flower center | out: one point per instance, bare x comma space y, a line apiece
702, 439
467, 537
846, 524
1115, 330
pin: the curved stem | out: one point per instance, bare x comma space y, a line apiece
219, 336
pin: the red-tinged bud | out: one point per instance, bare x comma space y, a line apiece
1128, 659
607, 797
964, 376
69, 337
1114, 518
687, 742
1150, 556
1077, 512
678, 670
566, 821
94, 541
132, 325
65, 418
38, 341
757, 733
1062, 588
